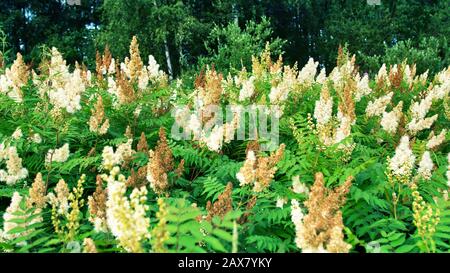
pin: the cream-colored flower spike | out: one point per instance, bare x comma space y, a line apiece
435, 141
126, 216
390, 120
14, 169
14, 79
378, 106
425, 166
402, 163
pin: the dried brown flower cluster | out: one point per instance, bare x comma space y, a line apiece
89, 246
97, 205
163, 149
161, 162
396, 75
347, 88
264, 64
410, 73
180, 169
2, 61
347, 104
138, 179
250, 204
125, 89
266, 169
252, 146
142, 145
342, 56
37, 193
259, 170
14, 79
19, 72
85, 74
107, 58
102, 62
98, 123
321, 229
209, 90
135, 63
98, 65
222, 206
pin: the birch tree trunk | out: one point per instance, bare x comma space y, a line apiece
166, 50
235, 14
169, 62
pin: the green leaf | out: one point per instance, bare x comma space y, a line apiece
16, 230
215, 244
405, 248
223, 235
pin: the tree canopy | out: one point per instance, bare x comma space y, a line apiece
180, 33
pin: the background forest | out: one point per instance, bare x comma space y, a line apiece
183, 35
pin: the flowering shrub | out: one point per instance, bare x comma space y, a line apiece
91, 162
